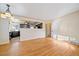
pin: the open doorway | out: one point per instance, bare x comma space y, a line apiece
14, 31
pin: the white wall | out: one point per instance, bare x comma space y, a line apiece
67, 25
29, 34
4, 31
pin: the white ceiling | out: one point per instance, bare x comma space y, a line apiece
42, 10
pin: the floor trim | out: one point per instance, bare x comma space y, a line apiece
4, 43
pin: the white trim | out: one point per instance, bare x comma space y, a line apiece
75, 43
4, 42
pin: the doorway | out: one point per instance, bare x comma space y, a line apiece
14, 31
48, 28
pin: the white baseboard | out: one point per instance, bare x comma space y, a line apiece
4, 42
76, 43
27, 39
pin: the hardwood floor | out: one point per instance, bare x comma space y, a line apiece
40, 47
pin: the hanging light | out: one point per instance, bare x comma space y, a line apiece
7, 13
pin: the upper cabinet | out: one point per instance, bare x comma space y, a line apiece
32, 25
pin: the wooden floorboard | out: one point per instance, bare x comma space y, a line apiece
39, 47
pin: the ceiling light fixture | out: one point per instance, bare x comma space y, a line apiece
7, 13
